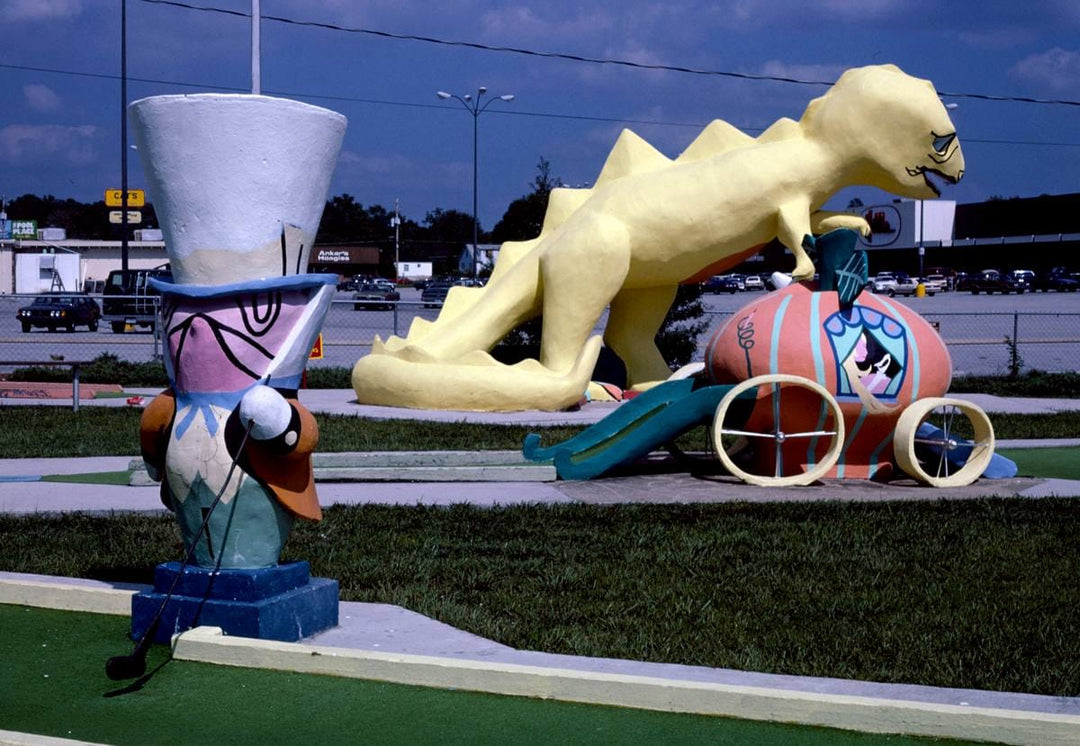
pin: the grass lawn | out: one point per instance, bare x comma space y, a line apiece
973, 594
54, 684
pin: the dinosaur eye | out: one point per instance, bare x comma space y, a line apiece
942, 142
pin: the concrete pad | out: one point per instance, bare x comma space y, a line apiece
713, 488
58, 497
1018, 405
14, 738
484, 494
1053, 488
68, 594
43, 466
1037, 443
337, 401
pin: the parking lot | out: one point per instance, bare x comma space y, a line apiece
1045, 325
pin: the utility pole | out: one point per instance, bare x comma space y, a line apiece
256, 73
396, 222
123, 138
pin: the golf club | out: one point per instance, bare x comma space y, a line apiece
132, 666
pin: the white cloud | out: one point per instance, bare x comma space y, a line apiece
521, 24
36, 143
40, 98
13, 11
1055, 70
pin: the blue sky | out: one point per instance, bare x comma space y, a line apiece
59, 131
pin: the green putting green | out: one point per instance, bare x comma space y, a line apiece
54, 684
1048, 463
102, 477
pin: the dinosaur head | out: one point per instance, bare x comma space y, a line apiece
890, 129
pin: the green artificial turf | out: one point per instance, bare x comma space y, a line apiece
97, 477
973, 594
53, 682
1048, 463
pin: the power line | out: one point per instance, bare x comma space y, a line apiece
349, 99
581, 58
495, 112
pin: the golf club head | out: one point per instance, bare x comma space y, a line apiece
121, 667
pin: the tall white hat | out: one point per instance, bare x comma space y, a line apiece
238, 182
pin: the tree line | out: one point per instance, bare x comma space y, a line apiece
344, 220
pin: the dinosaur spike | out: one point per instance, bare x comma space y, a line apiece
562, 203
419, 327
631, 155
781, 129
718, 137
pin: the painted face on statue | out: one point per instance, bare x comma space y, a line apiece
224, 344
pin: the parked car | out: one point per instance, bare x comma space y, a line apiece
60, 310
1059, 278
991, 281
753, 282
720, 284
434, 294
130, 298
903, 285
935, 284
352, 283
385, 284
375, 295
883, 282
948, 275
1023, 277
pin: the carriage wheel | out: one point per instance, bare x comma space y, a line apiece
936, 454
774, 385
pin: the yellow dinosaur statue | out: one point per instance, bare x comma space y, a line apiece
651, 223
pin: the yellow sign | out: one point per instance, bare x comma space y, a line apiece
316, 350
115, 198
117, 216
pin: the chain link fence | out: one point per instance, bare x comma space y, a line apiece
980, 343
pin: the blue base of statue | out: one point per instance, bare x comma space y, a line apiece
282, 602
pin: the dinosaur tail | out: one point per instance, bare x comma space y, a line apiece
475, 382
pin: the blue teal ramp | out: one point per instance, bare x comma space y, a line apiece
636, 428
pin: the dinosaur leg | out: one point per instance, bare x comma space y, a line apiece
793, 230
635, 318
500, 306
578, 284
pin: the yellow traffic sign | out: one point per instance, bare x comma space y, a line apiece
117, 216
115, 198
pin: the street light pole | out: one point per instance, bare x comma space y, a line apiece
473, 107
256, 48
396, 222
123, 139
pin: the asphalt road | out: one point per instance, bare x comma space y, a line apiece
1047, 326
